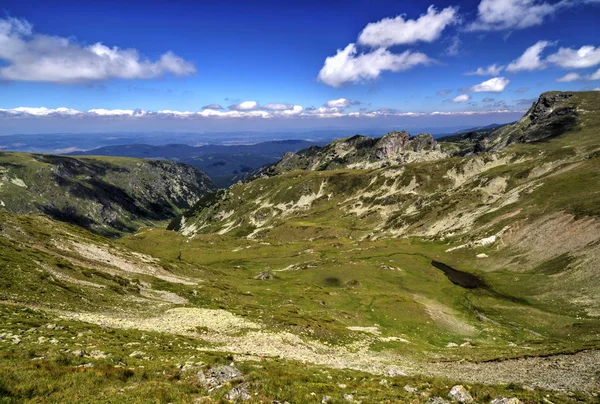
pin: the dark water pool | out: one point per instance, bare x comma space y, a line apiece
464, 279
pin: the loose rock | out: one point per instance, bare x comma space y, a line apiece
460, 394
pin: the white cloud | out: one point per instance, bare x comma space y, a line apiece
491, 70
494, 15
530, 59
586, 56
495, 85
461, 98
244, 106
597, 89
42, 111
116, 112
29, 56
595, 76
347, 66
398, 31
444, 92
273, 106
569, 77
339, 103
296, 111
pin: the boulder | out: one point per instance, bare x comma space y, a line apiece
459, 393
219, 375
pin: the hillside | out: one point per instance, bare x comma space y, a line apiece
105, 195
530, 207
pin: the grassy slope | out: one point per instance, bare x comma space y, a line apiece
108, 195
347, 286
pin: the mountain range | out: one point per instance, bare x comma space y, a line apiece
375, 269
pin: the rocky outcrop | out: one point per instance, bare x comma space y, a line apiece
551, 115
358, 151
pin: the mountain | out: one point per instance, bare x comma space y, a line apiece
537, 180
224, 164
395, 269
106, 195
358, 152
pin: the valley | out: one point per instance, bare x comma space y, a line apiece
370, 269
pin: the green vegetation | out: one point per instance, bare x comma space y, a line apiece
319, 283
107, 195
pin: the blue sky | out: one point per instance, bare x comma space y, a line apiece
72, 66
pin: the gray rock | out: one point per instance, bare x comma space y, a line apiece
409, 389
265, 276
78, 352
503, 400
348, 397
325, 399
460, 394
238, 393
219, 375
437, 400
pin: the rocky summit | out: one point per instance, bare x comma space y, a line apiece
399, 269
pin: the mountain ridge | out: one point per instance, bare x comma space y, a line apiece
106, 195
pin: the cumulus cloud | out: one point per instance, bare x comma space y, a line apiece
569, 77
495, 15
586, 56
495, 85
444, 92
29, 56
491, 70
399, 31
348, 66
244, 106
461, 98
530, 59
595, 76
212, 106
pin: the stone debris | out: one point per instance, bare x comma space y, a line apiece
503, 400
437, 400
219, 375
238, 393
410, 389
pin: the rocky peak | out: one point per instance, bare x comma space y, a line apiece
551, 115
391, 144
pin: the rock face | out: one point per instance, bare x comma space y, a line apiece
551, 115
109, 195
358, 152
